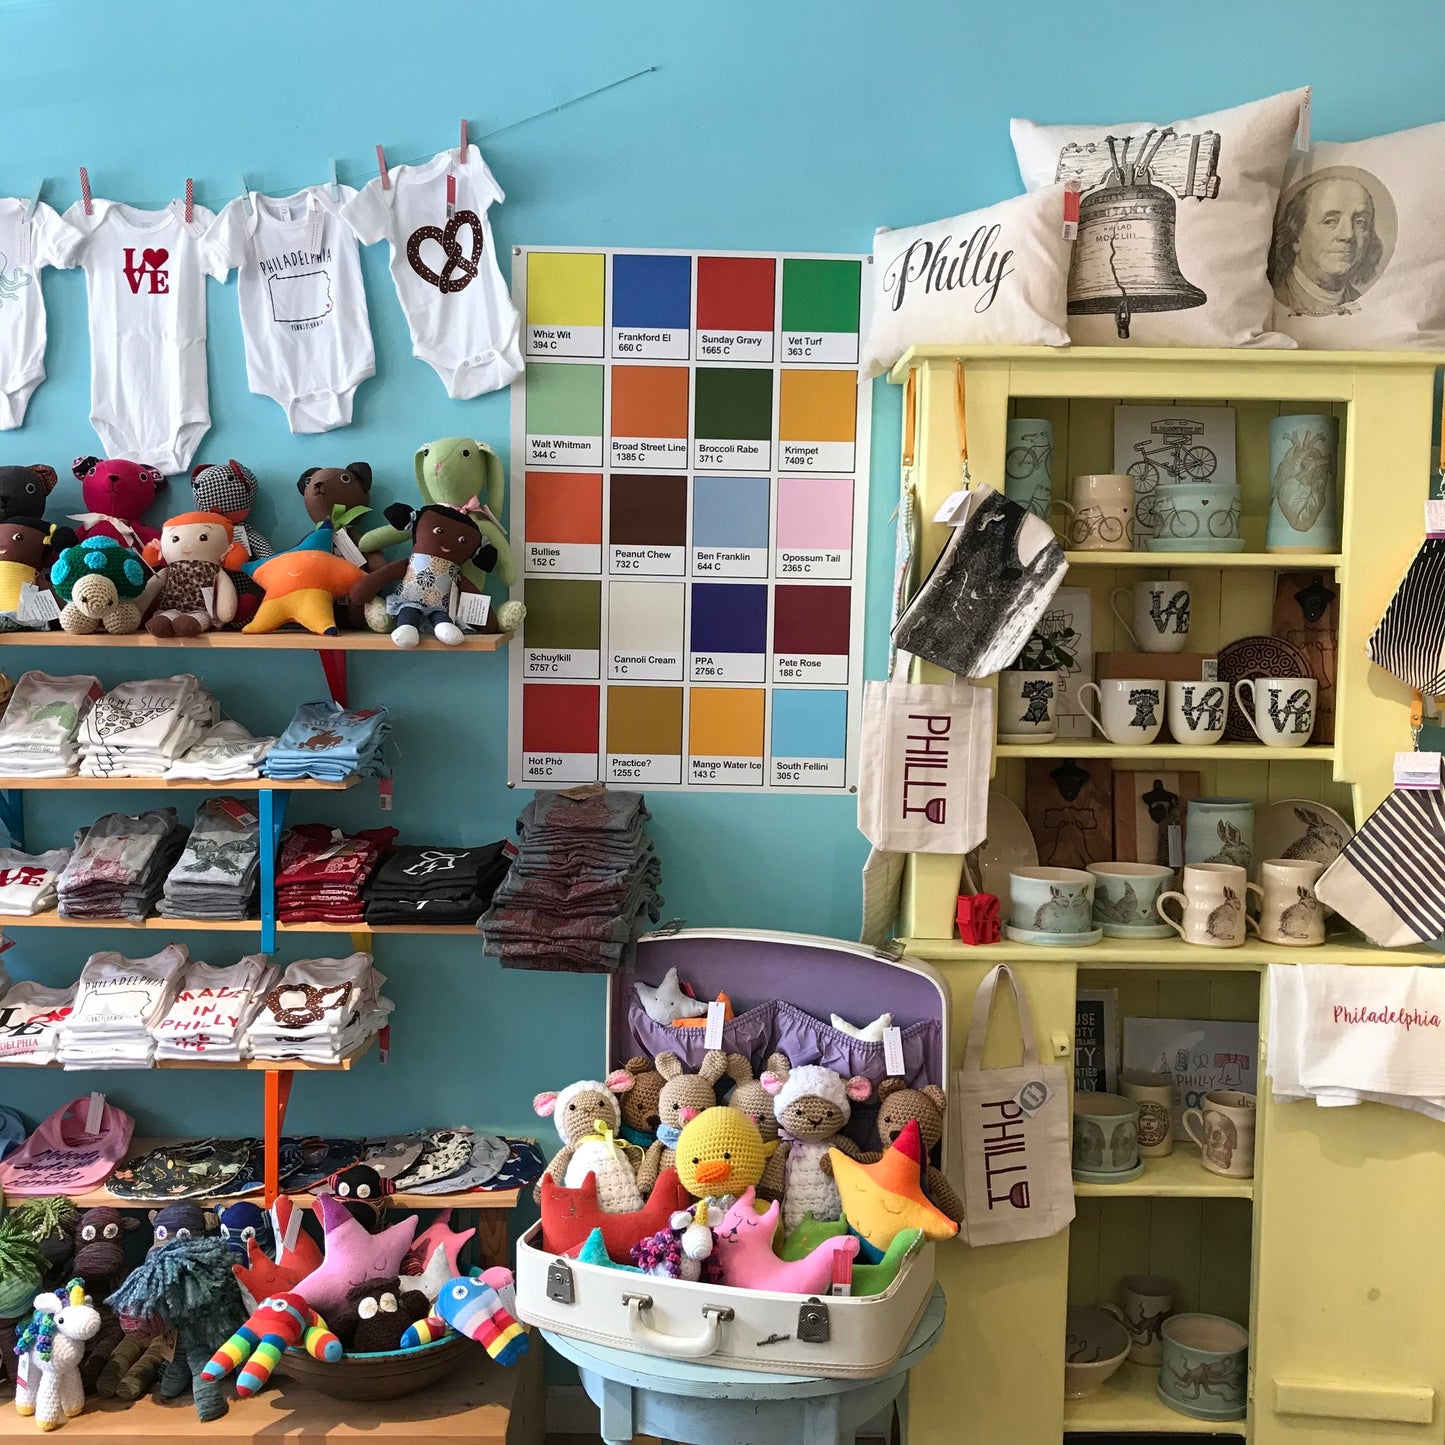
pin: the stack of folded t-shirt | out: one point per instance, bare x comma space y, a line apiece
28, 880
212, 1010
329, 742
118, 1001
581, 889
322, 872
38, 731
215, 876
320, 1011
119, 865
140, 728
225, 753
419, 884
30, 1020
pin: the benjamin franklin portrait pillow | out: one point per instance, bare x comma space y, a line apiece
1174, 222
989, 278
1358, 260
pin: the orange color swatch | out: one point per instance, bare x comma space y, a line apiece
649, 401
564, 507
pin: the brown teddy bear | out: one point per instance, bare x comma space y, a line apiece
639, 1105
897, 1105
684, 1096
756, 1102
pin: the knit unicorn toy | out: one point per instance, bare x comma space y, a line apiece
51, 1347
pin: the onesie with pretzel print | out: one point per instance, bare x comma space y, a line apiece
463, 323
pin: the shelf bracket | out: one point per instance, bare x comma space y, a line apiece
12, 815
278, 1096
272, 809
333, 664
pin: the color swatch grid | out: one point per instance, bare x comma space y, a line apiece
689, 501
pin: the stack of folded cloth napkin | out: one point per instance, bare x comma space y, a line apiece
118, 1001
28, 880
215, 876
320, 1011
137, 730
418, 884
330, 743
226, 753
581, 889
321, 872
212, 1010
38, 732
119, 865
30, 1020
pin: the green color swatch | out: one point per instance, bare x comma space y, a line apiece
821, 295
566, 616
564, 401
733, 404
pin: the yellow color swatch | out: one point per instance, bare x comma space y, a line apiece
817, 406
566, 288
725, 722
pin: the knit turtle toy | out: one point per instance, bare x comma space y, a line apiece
102, 584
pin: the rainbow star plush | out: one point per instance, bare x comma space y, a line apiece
882, 1199
302, 584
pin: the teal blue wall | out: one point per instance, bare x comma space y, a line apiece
766, 125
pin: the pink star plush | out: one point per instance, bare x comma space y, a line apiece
439, 1232
352, 1256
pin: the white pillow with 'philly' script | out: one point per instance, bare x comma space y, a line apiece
996, 277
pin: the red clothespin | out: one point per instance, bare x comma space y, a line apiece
190, 200
381, 166
462, 149
85, 191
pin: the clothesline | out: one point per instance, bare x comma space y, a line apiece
359, 178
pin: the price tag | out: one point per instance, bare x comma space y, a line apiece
1417, 770
473, 609
712, 1034
1302, 130
1070, 229
893, 1052
292, 1231
233, 808
384, 790
383, 1043
1435, 518
1176, 845
93, 1112
37, 605
343, 546
1032, 1097
22, 1369
842, 1281
1209, 669
955, 508
241, 535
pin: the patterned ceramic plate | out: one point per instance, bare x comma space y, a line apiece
1300, 828
1255, 657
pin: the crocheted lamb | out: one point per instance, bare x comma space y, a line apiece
813, 1105
589, 1122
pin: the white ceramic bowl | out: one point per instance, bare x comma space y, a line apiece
1095, 1345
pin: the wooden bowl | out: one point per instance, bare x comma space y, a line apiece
383, 1376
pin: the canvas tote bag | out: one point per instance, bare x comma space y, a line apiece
1013, 1132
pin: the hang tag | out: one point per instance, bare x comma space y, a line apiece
509, 850
383, 1043
472, 609
292, 1231
93, 1113
842, 1281
1070, 229
712, 1034
1032, 1097
167, 1345
22, 1370
451, 196
1175, 839
1417, 770
1302, 130
955, 508
343, 546
1209, 670
36, 604
241, 535
208, 600
384, 791
893, 1052
1435, 517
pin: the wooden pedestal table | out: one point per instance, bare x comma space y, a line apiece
697, 1404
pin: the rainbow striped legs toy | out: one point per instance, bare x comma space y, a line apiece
279, 1322
472, 1307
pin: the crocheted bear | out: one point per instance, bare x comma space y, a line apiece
752, 1097
813, 1105
639, 1104
897, 1105
588, 1119
684, 1096
116, 494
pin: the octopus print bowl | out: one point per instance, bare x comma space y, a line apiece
1095, 1345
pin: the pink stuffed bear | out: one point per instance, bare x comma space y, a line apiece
191, 592
116, 494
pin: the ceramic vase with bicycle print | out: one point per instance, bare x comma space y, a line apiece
1196, 517
1303, 498
1101, 513
1028, 464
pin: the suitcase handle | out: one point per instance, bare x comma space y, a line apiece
679, 1347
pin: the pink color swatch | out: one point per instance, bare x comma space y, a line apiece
815, 514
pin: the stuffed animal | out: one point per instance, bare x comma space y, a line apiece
27, 547
244, 1221
898, 1104
21, 1268
570, 1215
639, 1104
467, 475
813, 1105
103, 586
684, 1096
116, 494
278, 1323
51, 1221
261, 1276
361, 1192
700, 1021
376, 1314
184, 1219
194, 555
867, 1278
442, 540
438, 1235
302, 585
750, 1095
744, 1244
99, 1265
135, 1364
473, 1306
882, 1198
588, 1118
52, 1345
23, 490
684, 1250
230, 490
341, 498
352, 1256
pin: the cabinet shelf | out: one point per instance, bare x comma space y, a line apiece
265, 642
1179, 1175
1166, 954
1231, 561
1163, 752
1128, 1405
244, 1066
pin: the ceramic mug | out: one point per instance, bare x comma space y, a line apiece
1148, 1302
1224, 1131
1156, 614
1124, 897
1101, 512
1132, 708
1106, 1135
1154, 1094
1204, 1370
1051, 900
1219, 830
1197, 711
1281, 710
1289, 912
1303, 511
1211, 905
1026, 704
1196, 517
1028, 464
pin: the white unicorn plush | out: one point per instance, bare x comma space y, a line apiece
50, 1349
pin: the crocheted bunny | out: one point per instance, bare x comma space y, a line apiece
813, 1104
752, 1097
683, 1097
588, 1119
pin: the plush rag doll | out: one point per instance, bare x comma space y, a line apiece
27, 546
340, 497
102, 585
194, 554
116, 494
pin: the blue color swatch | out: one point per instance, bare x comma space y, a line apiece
808, 723
652, 291
730, 511
729, 617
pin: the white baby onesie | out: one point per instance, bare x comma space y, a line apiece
303, 309
463, 323
26, 244
146, 280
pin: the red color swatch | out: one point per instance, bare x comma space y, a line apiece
811, 621
736, 293
561, 718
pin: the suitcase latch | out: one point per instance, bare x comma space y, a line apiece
813, 1323
559, 1283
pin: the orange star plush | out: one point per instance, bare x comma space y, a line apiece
701, 1023
301, 585
880, 1200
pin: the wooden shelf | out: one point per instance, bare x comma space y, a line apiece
270, 641
1174, 561
435, 930
244, 1066
1128, 1405
1145, 358
79, 784
157, 924
1234, 752
1179, 1175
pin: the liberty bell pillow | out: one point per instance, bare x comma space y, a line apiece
1358, 260
1174, 222
994, 277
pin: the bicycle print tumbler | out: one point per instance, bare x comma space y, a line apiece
1101, 513
1028, 467
1196, 517
1303, 495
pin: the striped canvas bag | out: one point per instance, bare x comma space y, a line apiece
1409, 643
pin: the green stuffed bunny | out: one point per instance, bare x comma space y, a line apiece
466, 474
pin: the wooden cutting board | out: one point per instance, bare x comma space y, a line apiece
1070, 810
1146, 805
1307, 614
